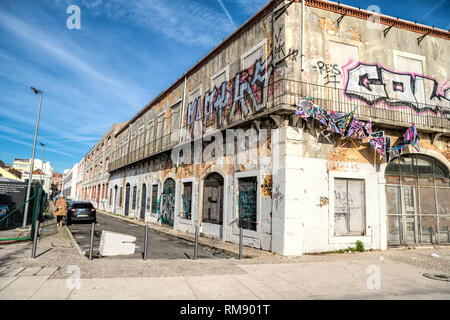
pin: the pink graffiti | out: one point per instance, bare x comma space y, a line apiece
374, 84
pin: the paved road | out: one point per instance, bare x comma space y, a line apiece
160, 245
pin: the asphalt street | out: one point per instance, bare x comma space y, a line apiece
160, 245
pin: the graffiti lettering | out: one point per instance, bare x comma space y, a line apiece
329, 72
279, 44
242, 96
373, 84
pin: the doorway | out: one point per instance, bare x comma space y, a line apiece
143, 199
127, 199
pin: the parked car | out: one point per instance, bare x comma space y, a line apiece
69, 203
81, 211
6, 206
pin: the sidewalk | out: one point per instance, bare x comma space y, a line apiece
308, 280
329, 276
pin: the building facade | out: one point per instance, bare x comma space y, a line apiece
9, 173
42, 172
92, 168
70, 177
294, 128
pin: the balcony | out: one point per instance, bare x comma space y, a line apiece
282, 96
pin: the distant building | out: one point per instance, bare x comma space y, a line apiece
70, 182
57, 180
7, 172
42, 171
94, 169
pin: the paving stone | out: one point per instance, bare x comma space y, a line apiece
22, 288
29, 271
11, 271
47, 271
6, 281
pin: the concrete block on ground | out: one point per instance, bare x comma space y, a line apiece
113, 243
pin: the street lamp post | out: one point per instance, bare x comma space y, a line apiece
24, 224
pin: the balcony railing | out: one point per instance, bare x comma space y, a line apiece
286, 94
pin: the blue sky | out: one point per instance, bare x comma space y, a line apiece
126, 53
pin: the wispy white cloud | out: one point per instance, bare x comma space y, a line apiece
251, 6
9, 138
185, 21
227, 13
56, 47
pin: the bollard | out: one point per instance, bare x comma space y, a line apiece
145, 242
241, 238
36, 231
91, 247
196, 243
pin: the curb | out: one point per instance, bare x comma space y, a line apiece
75, 244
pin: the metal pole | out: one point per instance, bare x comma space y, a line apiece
196, 243
24, 224
145, 242
241, 238
91, 246
36, 231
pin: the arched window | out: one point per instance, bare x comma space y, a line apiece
417, 200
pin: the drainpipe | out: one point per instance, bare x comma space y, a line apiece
183, 107
182, 115
302, 57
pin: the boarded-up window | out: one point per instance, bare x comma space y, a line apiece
186, 207
219, 79
175, 122
213, 199
340, 54
349, 207
407, 64
251, 58
133, 203
154, 198
247, 202
159, 132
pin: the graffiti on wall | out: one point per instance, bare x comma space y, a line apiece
244, 95
247, 203
166, 208
329, 72
372, 84
186, 207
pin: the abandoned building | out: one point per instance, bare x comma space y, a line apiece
311, 188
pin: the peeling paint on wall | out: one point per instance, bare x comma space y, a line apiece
266, 188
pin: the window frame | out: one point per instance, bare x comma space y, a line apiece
182, 182
371, 215
246, 232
